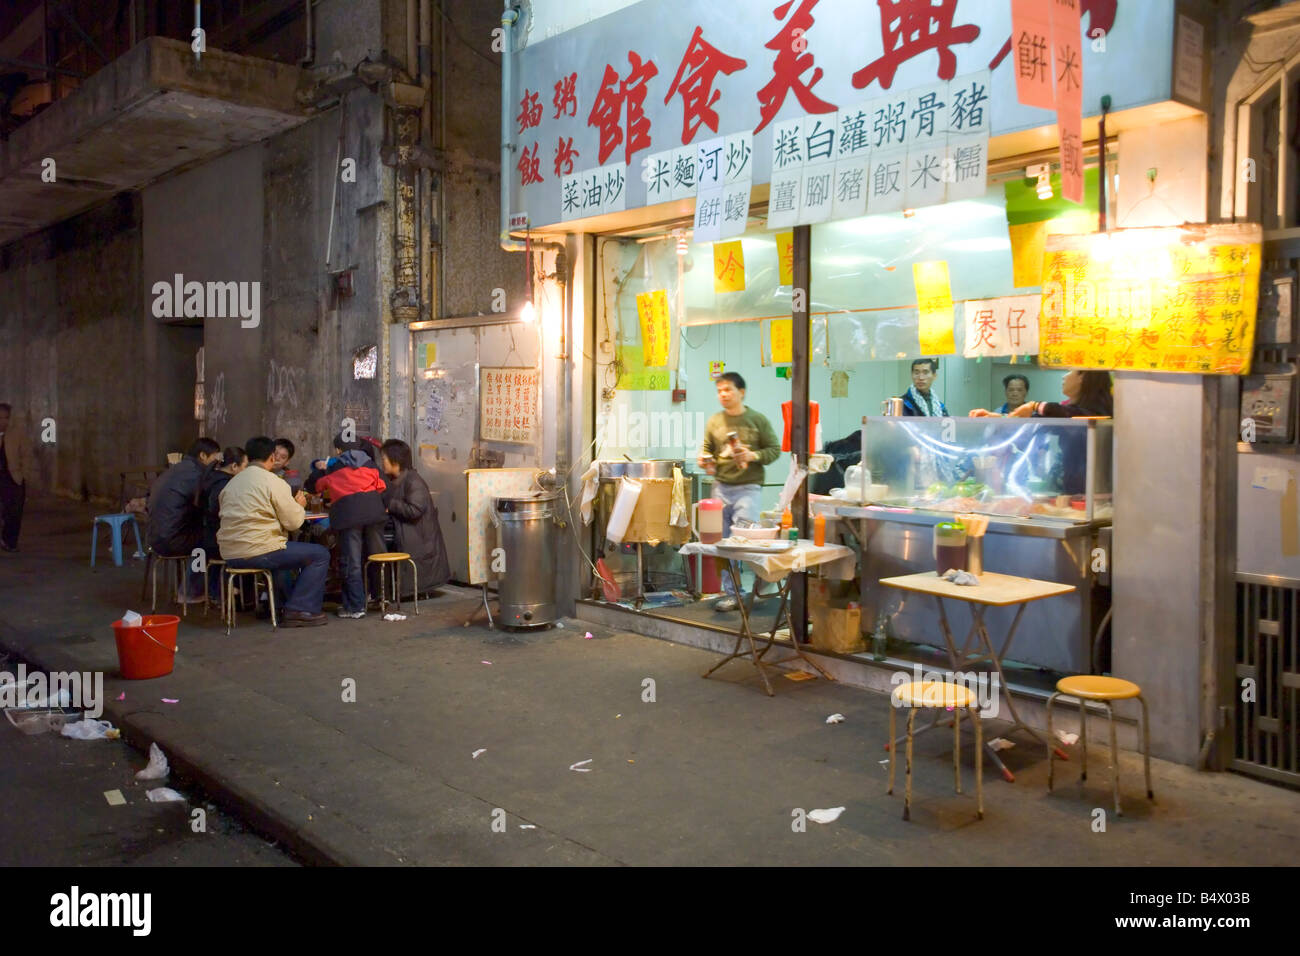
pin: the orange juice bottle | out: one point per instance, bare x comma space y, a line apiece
787, 520
819, 529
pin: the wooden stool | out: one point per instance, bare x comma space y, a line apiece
1103, 690
926, 694
393, 559
183, 560
115, 525
233, 575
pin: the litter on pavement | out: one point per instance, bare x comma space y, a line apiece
394, 617
1067, 738
579, 766
114, 798
1000, 743
170, 700
158, 767
825, 816
835, 719
164, 795
88, 729
481, 750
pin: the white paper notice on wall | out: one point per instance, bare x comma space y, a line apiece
1004, 326
1269, 479
708, 214
735, 209
710, 168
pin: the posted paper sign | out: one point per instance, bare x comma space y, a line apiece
934, 302
1002, 326
1168, 299
728, 266
785, 256
1031, 51
508, 405
652, 310
1066, 31
782, 341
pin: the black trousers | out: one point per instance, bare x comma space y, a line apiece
12, 498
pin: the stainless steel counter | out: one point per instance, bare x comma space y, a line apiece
1055, 633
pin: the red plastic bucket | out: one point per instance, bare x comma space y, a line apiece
149, 649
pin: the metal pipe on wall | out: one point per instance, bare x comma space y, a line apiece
509, 17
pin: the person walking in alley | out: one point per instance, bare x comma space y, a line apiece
355, 491
738, 442
257, 513
175, 511
16, 466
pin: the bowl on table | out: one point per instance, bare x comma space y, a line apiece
755, 533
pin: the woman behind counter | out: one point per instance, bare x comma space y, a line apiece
1087, 394
415, 518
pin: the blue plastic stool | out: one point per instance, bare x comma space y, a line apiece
115, 522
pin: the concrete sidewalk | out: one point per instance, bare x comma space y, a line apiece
708, 773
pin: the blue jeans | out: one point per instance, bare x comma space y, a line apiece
354, 545
311, 561
738, 501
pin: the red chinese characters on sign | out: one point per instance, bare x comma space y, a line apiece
529, 166
986, 326
615, 94
564, 156
508, 405
1067, 55
530, 111
792, 62
566, 96
909, 27
705, 62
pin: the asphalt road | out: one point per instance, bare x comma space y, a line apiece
55, 813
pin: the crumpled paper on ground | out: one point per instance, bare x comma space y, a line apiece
1000, 743
825, 816
158, 767
88, 729
394, 617
164, 795
835, 719
1067, 738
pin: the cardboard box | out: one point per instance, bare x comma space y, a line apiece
836, 626
649, 522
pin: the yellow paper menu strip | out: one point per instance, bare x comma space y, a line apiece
785, 256
728, 267
782, 341
934, 302
652, 309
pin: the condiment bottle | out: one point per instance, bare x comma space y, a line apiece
819, 529
787, 519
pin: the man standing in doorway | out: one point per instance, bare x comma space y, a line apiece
16, 466
738, 442
920, 399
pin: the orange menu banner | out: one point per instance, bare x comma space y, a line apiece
934, 302
652, 309
1031, 51
1068, 56
1168, 299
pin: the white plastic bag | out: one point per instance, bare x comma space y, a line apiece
164, 795
621, 514
158, 767
88, 729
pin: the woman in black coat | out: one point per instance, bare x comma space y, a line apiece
415, 518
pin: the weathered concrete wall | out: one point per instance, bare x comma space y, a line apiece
475, 263
73, 347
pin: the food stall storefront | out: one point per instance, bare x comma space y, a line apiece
750, 192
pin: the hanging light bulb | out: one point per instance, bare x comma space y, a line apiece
528, 313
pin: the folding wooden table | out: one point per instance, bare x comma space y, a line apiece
994, 590
772, 566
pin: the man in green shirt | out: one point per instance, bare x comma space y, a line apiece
738, 442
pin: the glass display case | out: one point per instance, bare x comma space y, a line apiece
1038, 469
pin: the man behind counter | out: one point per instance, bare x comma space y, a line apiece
738, 442
919, 400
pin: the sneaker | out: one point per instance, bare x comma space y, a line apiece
351, 615
727, 603
302, 619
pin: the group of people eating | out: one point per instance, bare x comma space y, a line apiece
242, 504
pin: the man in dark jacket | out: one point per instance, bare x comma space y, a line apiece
415, 517
355, 492
175, 512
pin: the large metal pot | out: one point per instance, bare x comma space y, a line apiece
612, 470
653, 468
527, 533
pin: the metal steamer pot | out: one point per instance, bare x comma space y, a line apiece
611, 471
526, 530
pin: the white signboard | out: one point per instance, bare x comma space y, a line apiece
508, 405
1004, 326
